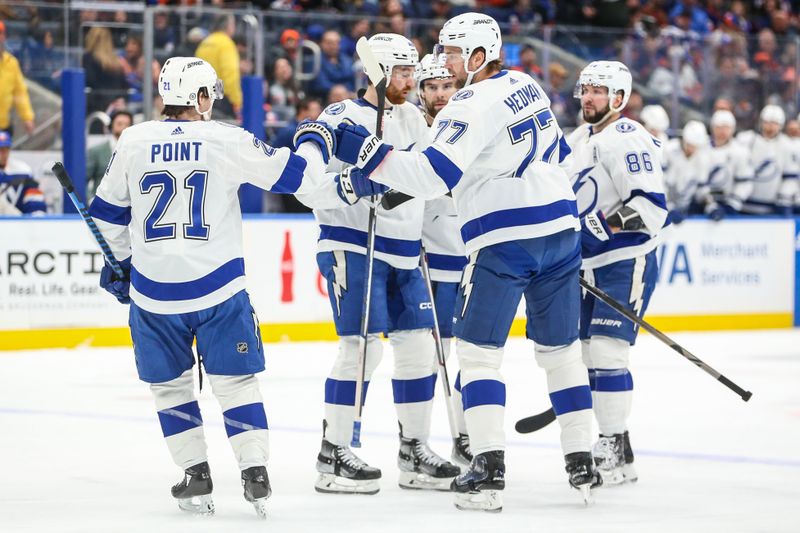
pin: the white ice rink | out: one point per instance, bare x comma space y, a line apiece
81, 449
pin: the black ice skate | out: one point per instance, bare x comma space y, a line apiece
481, 487
582, 474
628, 470
256, 488
461, 454
343, 472
194, 492
421, 468
609, 456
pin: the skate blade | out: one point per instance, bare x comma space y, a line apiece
333, 484
199, 505
586, 494
615, 476
422, 481
490, 501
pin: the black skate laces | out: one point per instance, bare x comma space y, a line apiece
463, 441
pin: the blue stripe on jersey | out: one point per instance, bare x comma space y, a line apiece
612, 380
521, 216
413, 390
188, 290
444, 168
740, 180
455, 263
387, 245
563, 149
180, 418
291, 177
457, 385
483, 392
655, 198
245, 418
572, 399
342, 392
790, 176
113, 214
550, 149
619, 240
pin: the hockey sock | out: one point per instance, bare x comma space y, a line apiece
413, 383
181, 422
483, 395
245, 419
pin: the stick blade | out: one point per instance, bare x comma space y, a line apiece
535, 422
371, 65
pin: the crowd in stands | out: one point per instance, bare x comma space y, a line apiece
742, 52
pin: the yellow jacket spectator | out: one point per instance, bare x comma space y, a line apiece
13, 90
220, 50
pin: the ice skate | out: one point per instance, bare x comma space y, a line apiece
421, 468
628, 470
256, 488
461, 454
194, 492
481, 487
609, 456
343, 472
582, 474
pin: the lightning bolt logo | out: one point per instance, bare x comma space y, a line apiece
466, 281
339, 278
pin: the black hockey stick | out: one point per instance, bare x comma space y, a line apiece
536, 422
378, 79
66, 182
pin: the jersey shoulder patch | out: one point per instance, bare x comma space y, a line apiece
335, 108
625, 127
463, 94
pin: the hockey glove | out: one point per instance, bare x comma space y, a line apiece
318, 132
676, 216
595, 234
352, 184
119, 287
355, 145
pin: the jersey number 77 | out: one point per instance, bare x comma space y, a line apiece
529, 127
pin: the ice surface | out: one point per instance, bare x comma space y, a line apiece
81, 448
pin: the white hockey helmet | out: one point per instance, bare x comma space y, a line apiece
654, 117
470, 31
695, 134
431, 67
723, 117
610, 74
182, 77
393, 50
773, 113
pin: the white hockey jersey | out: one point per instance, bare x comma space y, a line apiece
497, 146
619, 166
344, 227
775, 174
730, 178
682, 174
170, 198
447, 255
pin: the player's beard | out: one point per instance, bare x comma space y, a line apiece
396, 96
598, 115
430, 108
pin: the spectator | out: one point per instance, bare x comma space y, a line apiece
528, 63
191, 42
335, 67
12, 89
98, 156
699, 21
283, 92
105, 76
19, 192
220, 51
133, 66
360, 28
290, 45
164, 37
562, 101
41, 63
338, 93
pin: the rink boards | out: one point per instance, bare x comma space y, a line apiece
736, 274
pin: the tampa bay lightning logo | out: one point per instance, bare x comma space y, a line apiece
335, 109
766, 171
585, 189
463, 95
625, 127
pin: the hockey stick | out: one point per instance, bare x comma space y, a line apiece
437, 337
378, 79
66, 182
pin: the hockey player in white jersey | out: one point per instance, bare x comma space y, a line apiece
775, 167
686, 166
496, 145
618, 181
169, 209
400, 305
442, 241
730, 178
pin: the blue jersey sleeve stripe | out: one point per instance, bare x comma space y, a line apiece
563, 149
444, 168
107, 212
413, 390
387, 245
187, 290
655, 198
522, 216
291, 177
620, 240
447, 262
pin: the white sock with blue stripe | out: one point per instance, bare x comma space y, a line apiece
181, 422
483, 395
413, 382
244, 416
612, 383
